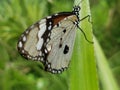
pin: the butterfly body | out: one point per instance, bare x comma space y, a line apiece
51, 40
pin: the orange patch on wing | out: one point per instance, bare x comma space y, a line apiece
57, 19
73, 18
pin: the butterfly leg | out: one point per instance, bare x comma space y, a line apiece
88, 16
85, 35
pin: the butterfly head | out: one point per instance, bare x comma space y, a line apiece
76, 10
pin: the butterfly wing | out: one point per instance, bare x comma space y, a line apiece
50, 41
61, 45
31, 42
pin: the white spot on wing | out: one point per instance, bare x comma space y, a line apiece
65, 18
24, 38
59, 24
50, 22
53, 71
48, 65
48, 17
59, 71
49, 28
56, 14
39, 58
55, 26
39, 44
45, 51
23, 51
40, 33
49, 48
20, 44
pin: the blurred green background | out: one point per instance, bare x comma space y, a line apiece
16, 73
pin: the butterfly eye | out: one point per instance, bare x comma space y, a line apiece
76, 8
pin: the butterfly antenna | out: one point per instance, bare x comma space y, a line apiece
85, 35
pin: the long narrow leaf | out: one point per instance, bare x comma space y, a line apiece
106, 77
83, 75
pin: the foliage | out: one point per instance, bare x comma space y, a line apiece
106, 24
17, 73
83, 74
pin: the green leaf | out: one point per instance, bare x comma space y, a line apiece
83, 74
106, 77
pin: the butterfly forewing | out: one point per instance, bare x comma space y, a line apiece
31, 42
61, 43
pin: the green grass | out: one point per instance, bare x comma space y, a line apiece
105, 74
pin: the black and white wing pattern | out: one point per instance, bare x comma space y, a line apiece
51, 40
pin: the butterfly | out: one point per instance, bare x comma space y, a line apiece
51, 40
